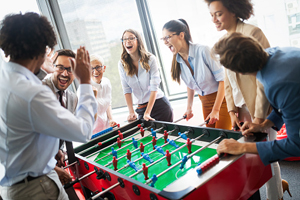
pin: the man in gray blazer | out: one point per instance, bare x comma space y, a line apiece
61, 78
58, 82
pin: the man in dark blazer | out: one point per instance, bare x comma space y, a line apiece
278, 69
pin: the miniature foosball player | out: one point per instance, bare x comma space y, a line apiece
175, 162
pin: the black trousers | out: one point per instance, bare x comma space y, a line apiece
161, 111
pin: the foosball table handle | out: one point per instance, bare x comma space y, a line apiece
100, 173
210, 163
70, 184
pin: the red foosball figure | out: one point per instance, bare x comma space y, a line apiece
166, 136
142, 132
119, 142
128, 154
142, 147
145, 171
168, 157
120, 135
154, 142
189, 145
115, 163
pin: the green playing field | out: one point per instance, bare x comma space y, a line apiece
168, 177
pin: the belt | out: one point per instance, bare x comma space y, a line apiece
142, 106
29, 178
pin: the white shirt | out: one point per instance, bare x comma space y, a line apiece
32, 120
103, 101
238, 98
207, 72
142, 85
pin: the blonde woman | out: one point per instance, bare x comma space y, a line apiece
104, 118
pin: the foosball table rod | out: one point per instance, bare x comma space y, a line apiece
139, 171
65, 167
104, 191
204, 123
169, 132
110, 153
180, 119
127, 165
193, 140
121, 139
100, 175
126, 139
183, 160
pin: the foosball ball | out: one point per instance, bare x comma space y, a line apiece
160, 160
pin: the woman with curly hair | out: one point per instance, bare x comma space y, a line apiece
245, 97
192, 63
139, 75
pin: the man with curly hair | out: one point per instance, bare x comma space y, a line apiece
31, 117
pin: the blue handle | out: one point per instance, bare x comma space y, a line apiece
102, 132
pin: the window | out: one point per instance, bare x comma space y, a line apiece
99, 25
202, 30
16, 6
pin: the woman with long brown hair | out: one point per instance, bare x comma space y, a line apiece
192, 63
139, 75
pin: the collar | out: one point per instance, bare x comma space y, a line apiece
239, 26
55, 89
12, 66
191, 53
97, 85
271, 51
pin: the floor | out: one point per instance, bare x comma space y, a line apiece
289, 172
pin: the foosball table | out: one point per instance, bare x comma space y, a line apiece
160, 160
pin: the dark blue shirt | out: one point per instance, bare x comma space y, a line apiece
281, 80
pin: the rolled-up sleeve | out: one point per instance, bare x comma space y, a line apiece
126, 88
215, 67
154, 74
276, 119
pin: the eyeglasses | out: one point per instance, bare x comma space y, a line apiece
167, 37
128, 39
98, 68
62, 68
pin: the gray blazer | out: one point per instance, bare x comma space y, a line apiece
71, 96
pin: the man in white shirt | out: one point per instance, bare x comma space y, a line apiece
31, 117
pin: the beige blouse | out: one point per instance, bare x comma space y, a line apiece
251, 89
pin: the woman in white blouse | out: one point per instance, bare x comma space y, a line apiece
104, 118
193, 64
139, 75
